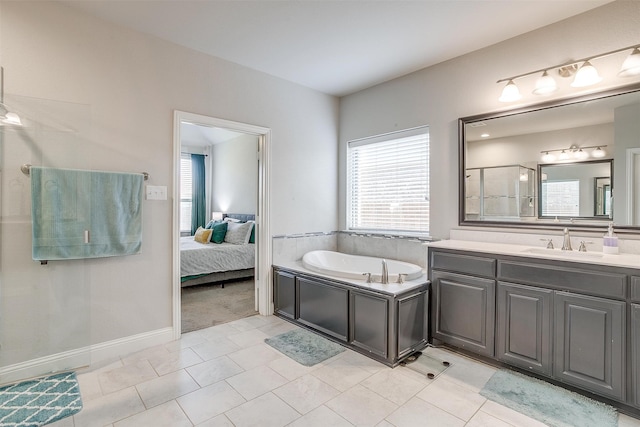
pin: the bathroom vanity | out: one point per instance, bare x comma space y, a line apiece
384, 322
572, 318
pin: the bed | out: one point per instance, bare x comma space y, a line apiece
216, 262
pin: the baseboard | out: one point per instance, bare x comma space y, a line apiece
84, 356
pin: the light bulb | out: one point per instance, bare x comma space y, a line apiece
581, 155
510, 93
598, 153
563, 155
587, 75
548, 157
545, 85
12, 119
631, 65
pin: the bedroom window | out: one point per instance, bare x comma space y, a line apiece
388, 183
186, 193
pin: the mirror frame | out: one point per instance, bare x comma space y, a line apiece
462, 221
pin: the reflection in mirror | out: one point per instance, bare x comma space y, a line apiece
566, 190
598, 128
602, 196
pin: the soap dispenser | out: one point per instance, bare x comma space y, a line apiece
610, 241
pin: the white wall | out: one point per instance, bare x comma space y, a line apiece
130, 84
627, 135
437, 96
234, 170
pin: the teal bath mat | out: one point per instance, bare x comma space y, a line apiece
304, 347
547, 403
38, 402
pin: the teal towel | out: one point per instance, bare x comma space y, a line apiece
67, 206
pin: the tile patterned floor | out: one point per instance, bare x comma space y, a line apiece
227, 376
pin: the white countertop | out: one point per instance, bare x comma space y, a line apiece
619, 260
391, 288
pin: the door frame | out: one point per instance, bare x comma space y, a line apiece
264, 292
633, 154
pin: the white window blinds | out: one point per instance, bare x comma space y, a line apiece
388, 182
186, 192
561, 198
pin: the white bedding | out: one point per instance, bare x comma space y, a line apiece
198, 258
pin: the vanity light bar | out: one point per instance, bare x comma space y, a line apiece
585, 74
573, 152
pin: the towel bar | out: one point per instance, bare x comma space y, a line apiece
25, 168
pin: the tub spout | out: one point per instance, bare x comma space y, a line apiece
384, 279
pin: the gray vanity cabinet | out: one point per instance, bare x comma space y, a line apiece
635, 340
524, 334
464, 311
370, 323
590, 343
635, 353
284, 297
323, 306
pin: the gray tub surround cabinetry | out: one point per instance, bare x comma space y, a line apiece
572, 318
384, 322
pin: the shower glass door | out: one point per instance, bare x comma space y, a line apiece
45, 318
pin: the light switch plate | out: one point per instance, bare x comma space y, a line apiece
156, 192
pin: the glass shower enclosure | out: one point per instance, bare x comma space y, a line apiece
45, 319
500, 192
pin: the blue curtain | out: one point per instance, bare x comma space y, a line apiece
198, 208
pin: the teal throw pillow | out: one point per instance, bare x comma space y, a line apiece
219, 231
252, 238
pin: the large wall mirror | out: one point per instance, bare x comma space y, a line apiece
574, 161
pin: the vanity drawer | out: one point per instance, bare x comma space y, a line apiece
478, 266
599, 283
635, 288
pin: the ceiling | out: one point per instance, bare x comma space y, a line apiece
335, 46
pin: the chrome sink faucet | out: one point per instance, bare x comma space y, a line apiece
384, 279
566, 244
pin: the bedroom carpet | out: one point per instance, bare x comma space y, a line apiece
209, 305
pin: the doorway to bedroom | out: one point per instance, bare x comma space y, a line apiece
219, 198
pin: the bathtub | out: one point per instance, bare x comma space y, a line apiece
352, 267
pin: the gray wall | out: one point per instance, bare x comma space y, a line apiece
234, 170
437, 96
130, 84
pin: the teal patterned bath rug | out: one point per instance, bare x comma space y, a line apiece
554, 406
304, 347
41, 401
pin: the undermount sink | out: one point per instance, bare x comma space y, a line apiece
563, 254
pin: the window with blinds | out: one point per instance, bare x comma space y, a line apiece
388, 183
561, 198
186, 193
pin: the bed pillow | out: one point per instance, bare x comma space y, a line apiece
202, 235
219, 232
238, 233
229, 219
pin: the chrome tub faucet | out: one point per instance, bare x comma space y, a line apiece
384, 279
